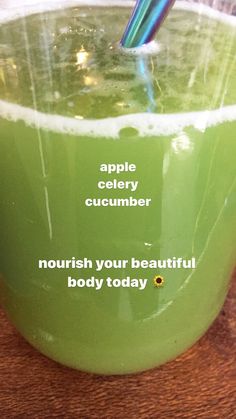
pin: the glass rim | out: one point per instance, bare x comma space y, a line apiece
13, 9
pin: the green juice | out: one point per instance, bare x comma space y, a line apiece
70, 101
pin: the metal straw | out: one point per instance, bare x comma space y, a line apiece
145, 21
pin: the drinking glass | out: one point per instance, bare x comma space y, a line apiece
74, 106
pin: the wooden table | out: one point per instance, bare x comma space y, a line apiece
199, 384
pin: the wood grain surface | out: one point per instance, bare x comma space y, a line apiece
199, 384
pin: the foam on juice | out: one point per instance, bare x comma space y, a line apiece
147, 124
151, 48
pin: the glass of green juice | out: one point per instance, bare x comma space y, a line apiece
118, 180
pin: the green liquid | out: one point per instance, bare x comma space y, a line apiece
47, 176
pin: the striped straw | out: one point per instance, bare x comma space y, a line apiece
145, 21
